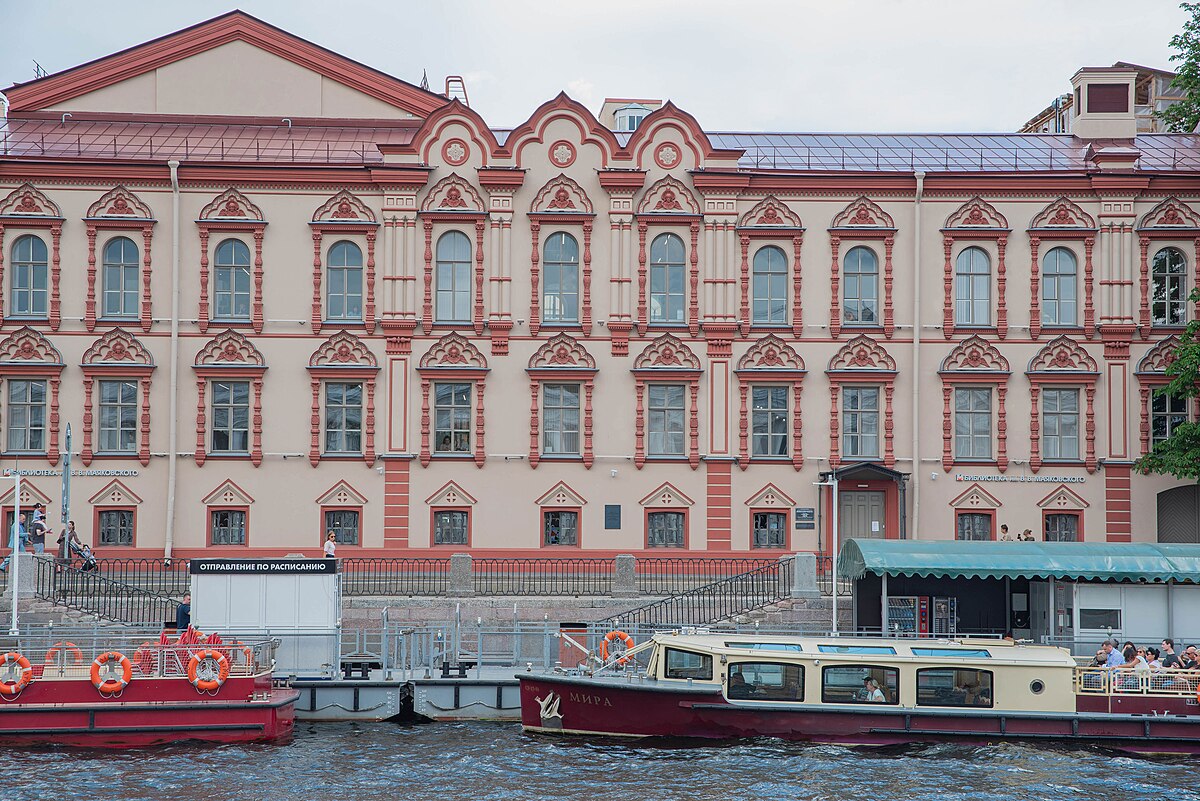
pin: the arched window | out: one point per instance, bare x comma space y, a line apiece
453, 278
666, 280
973, 288
769, 286
1059, 287
232, 279
860, 293
120, 278
30, 293
344, 301
1168, 294
560, 291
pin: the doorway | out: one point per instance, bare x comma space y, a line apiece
861, 515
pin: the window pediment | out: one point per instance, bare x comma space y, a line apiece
230, 348
667, 352
342, 494
561, 495
1171, 213
1062, 355
1063, 213
454, 350
1159, 358
863, 213
561, 195
231, 206
975, 354
975, 497
1063, 498
454, 194
668, 196
862, 353
770, 213
976, 213
771, 353
666, 496
227, 494
30, 494
770, 496
120, 204
344, 207
562, 351
29, 201
115, 493
343, 349
450, 495
29, 346
118, 346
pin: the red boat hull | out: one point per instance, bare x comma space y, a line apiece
577, 705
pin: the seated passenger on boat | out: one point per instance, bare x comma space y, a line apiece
871, 691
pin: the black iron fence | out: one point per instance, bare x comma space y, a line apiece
673, 575
542, 576
825, 578
395, 576
88, 591
158, 576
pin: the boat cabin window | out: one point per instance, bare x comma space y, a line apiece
766, 646
688, 665
954, 687
953, 652
860, 684
766, 681
857, 649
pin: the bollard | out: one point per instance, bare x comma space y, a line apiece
804, 575
462, 576
624, 576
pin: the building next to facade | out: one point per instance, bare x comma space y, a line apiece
276, 292
1152, 95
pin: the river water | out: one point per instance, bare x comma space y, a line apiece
486, 761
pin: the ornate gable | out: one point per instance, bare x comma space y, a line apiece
564, 352
28, 201
118, 346
344, 207
231, 205
454, 350
450, 495
862, 353
561, 195
770, 496
453, 193
975, 497
343, 349
771, 353
115, 493
27, 345
121, 204
975, 354
1063, 213
342, 494
1062, 354
230, 347
863, 213
668, 196
561, 107
1170, 213
30, 494
667, 352
1159, 357
770, 213
227, 494
561, 494
976, 213
666, 496
1062, 498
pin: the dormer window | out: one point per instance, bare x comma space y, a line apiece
629, 117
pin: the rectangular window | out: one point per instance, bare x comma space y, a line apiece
973, 526
1062, 528
118, 416
120, 295
344, 525
230, 416
954, 687
766, 681
343, 417
665, 419
687, 665
560, 419
770, 529
231, 298
451, 527
973, 423
1060, 424
1167, 412
29, 289
860, 422
857, 649
116, 527
961, 653
1102, 619
665, 530
769, 421
560, 527
228, 526
766, 646
452, 418
860, 684
26, 416
666, 293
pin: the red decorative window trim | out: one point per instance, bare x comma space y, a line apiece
1145, 238
666, 360
368, 231
860, 362
26, 353
343, 357
1062, 363
467, 510
692, 260
561, 360
208, 524
98, 508
1060, 221
480, 223
746, 323
26, 207
556, 221
119, 210
1152, 375
453, 358
118, 354
231, 212
362, 519
974, 362
988, 513
949, 239
863, 219
770, 361
229, 355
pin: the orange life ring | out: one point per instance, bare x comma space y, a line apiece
111, 685
613, 636
14, 687
67, 646
208, 683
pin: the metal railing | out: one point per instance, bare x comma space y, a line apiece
720, 600
825, 578
543, 576
90, 592
1120, 681
153, 575
674, 575
401, 576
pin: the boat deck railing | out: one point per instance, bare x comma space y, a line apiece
1119, 681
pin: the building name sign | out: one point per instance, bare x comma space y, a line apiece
8, 471
1021, 479
263, 566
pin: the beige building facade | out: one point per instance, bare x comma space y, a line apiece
275, 292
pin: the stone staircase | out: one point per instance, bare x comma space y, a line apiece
801, 614
39, 612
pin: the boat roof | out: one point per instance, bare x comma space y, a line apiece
868, 649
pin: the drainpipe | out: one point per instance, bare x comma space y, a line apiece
917, 378
173, 413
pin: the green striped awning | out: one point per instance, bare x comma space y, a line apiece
1102, 561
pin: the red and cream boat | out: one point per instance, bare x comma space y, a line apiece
860, 691
122, 693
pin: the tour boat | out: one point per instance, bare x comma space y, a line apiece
120, 693
859, 691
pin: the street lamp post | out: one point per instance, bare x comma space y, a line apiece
833, 582
18, 550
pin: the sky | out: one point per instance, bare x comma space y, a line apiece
754, 65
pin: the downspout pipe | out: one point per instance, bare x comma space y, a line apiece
917, 378
173, 413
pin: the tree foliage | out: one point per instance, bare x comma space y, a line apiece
1179, 454
1182, 117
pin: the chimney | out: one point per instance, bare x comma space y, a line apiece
1104, 103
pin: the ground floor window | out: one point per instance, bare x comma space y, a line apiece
344, 525
770, 530
973, 526
954, 687
1062, 528
115, 527
228, 526
666, 530
451, 527
560, 527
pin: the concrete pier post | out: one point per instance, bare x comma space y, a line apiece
462, 576
804, 575
624, 576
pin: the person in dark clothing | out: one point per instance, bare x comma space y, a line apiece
1168, 656
37, 535
183, 614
